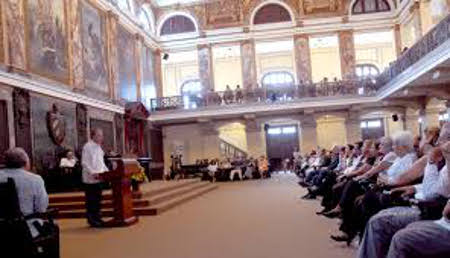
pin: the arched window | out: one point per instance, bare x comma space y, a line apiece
272, 13
146, 18
367, 70
177, 24
191, 91
279, 79
370, 6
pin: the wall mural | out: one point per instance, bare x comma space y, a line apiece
47, 39
108, 132
148, 88
127, 66
93, 35
2, 55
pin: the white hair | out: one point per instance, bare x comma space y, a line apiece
405, 139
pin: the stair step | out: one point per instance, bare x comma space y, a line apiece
106, 204
168, 195
164, 206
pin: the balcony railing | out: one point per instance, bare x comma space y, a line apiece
432, 40
366, 87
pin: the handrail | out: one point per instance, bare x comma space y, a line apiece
325, 88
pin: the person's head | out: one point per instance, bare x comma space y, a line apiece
367, 147
69, 154
432, 134
403, 143
435, 155
385, 145
97, 135
444, 135
349, 150
17, 158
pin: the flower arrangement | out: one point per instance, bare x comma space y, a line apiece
140, 176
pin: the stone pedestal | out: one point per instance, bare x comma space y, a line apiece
205, 67
308, 134
347, 53
353, 127
248, 61
302, 57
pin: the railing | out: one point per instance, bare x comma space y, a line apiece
432, 40
364, 87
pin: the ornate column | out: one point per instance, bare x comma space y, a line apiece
417, 19
138, 61
412, 121
256, 142
248, 63
347, 53
158, 73
302, 57
113, 64
398, 40
353, 127
308, 133
14, 18
205, 67
75, 46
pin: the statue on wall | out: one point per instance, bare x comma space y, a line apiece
56, 125
82, 126
119, 124
22, 120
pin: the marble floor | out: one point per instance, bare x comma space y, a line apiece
250, 219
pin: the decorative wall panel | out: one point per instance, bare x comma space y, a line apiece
223, 13
75, 45
22, 120
119, 126
127, 65
93, 33
15, 29
46, 35
2, 49
302, 58
148, 86
347, 53
4, 130
82, 126
248, 64
205, 67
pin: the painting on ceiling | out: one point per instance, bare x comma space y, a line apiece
148, 88
93, 24
127, 66
47, 39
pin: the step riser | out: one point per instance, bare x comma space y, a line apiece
163, 198
81, 198
105, 205
167, 189
140, 211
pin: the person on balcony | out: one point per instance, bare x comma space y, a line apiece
239, 94
228, 95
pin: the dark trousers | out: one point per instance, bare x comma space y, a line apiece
333, 194
93, 193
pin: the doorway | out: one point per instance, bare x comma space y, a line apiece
281, 141
372, 129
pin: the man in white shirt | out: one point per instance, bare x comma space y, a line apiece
92, 160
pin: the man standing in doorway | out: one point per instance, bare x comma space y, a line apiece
92, 160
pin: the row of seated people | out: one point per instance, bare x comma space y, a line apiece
303, 89
244, 168
392, 193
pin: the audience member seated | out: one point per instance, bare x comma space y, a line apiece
239, 95
263, 167
33, 200
69, 161
228, 95
212, 169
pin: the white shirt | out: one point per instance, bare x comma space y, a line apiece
435, 183
92, 162
390, 157
212, 168
443, 222
67, 163
400, 165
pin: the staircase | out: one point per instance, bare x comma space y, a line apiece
153, 198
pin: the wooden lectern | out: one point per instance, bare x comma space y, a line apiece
119, 178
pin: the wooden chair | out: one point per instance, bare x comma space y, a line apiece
15, 237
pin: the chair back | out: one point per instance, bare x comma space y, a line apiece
9, 201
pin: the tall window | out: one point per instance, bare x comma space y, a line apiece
280, 79
191, 91
370, 6
145, 18
177, 24
367, 70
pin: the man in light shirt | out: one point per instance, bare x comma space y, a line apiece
92, 160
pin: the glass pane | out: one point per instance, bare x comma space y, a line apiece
289, 130
363, 124
374, 124
276, 130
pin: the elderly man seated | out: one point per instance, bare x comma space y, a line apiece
435, 185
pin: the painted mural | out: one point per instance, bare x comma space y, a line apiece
127, 66
93, 33
47, 38
2, 55
148, 88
